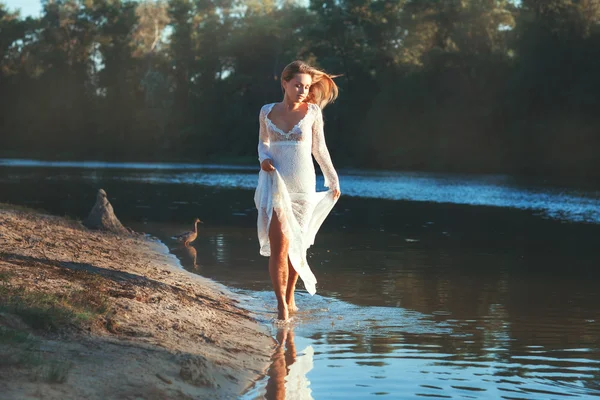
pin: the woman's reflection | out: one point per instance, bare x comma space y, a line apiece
287, 374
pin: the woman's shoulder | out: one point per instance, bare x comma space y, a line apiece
314, 108
266, 108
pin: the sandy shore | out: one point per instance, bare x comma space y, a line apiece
86, 314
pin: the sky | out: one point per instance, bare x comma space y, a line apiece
29, 8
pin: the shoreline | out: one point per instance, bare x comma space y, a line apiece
89, 314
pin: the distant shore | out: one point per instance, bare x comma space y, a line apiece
87, 314
566, 179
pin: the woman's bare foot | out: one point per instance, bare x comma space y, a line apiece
283, 313
292, 306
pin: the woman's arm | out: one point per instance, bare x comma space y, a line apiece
321, 153
264, 144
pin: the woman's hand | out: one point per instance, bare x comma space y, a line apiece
267, 165
336, 193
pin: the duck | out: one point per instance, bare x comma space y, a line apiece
188, 237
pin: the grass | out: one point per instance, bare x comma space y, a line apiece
5, 277
52, 312
22, 350
18, 349
77, 300
13, 337
52, 371
46, 312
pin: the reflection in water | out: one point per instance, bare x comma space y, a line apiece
414, 298
287, 374
193, 254
188, 254
361, 352
220, 247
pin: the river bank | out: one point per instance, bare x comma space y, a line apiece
87, 314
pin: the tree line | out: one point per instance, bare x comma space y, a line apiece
440, 85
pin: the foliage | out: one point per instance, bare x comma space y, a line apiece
450, 85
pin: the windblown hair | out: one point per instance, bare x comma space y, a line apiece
323, 89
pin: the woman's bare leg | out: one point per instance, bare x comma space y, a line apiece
278, 266
279, 369
291, 286
290, 351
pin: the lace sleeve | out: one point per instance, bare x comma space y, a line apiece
263, 138
321, 154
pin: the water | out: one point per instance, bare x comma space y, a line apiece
478, 190
429, 285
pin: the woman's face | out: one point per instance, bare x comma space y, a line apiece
296, 89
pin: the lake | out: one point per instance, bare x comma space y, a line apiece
429, 285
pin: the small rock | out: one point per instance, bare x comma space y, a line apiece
103, 217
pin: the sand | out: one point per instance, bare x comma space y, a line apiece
158, 332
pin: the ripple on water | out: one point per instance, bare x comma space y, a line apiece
363, 352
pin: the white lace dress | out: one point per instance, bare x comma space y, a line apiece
290, 190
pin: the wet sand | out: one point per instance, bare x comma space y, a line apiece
159, 331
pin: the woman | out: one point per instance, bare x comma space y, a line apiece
290, 210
